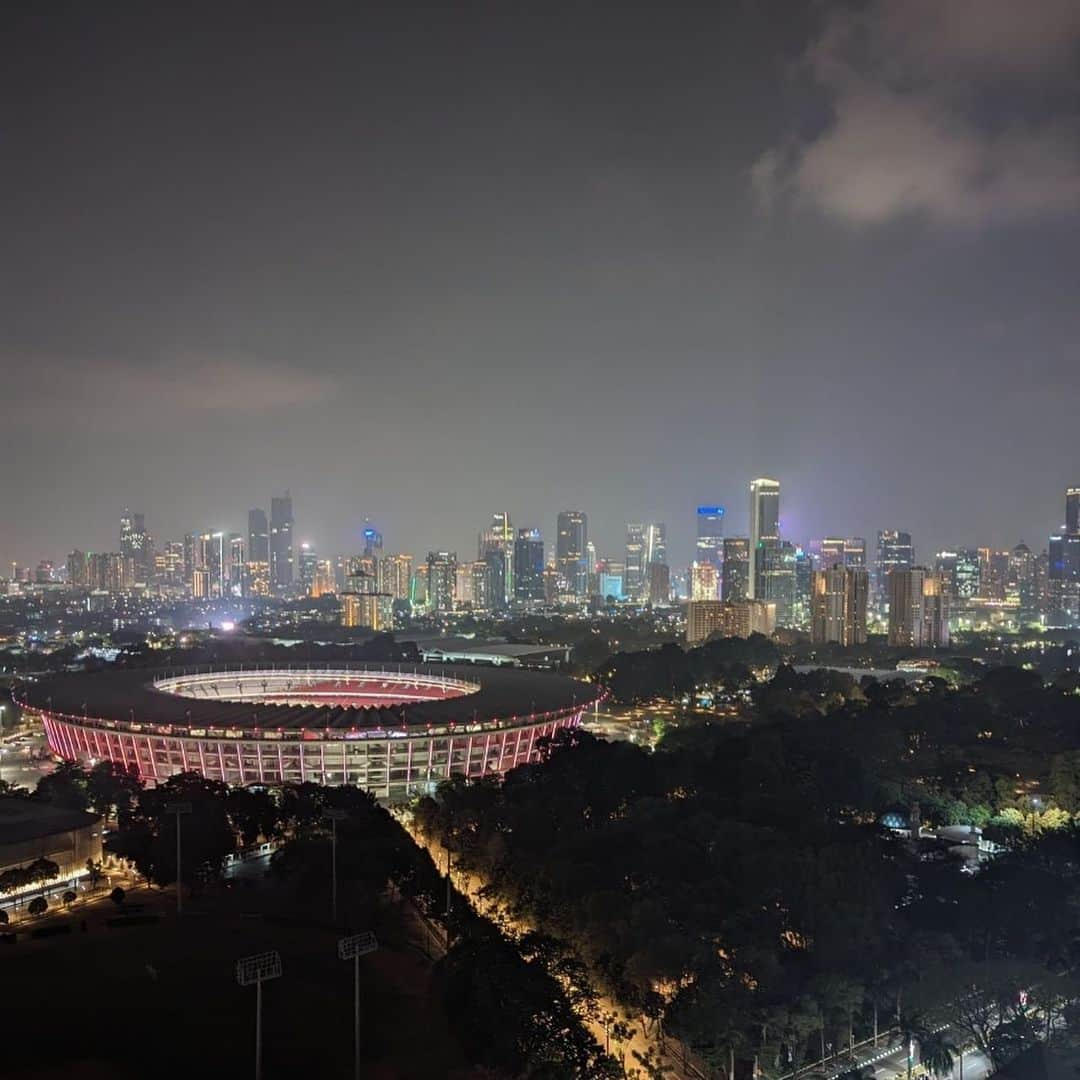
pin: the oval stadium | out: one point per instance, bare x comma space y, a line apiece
395, 731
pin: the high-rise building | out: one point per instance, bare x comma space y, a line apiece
894, 552
656, 543
394, 573
368, 611
571, 545
709, 546
968, 574
634, 582
497, 550
78, 574
237, 576
529, 567
441, 581
704, 580
918, 607
481, 585
136, 545
1072, 510
659, 584
307, 561
735, 583
764, 534
325, 583
372, 541
281, 544
1021, 582
838, 606
803, 585
258, 554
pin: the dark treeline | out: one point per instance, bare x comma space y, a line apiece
735, 886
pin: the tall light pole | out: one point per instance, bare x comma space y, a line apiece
2, 708
179, 809
258, 969
352, 948
334, 816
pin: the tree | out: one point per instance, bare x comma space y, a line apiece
111, 788
69, 897
65, 786
117, 896
38, 906
94, 871
937, 1052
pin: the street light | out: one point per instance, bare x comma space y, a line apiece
258, 969
334, 817
2, 707
178, 808
352, 948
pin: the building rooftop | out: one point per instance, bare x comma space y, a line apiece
25, 819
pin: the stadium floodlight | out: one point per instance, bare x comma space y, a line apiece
333, 816
258, 969
352, 948
178, 808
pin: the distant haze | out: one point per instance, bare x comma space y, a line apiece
420, 264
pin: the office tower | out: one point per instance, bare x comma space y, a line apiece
735, 582
258, 554
634, 582
394, 575
830, 553
496, 548
656, 543
281, 544
136, 545
918, 607
325, 583
463, 587
372, 541
764, 532
659, 575
571, 545
1072, 511
775, 565
529, 567
108, 572
77, 570
441, 581
838, 606
855, 553
237, 556
481, 585
968, 574
704, 581
306, 561
1063, 580
894, 552
709, 547
210, 559
803, 580
993, 574
1020, 585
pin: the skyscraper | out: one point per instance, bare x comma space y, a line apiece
764, 532
258, 554
441, 581
838, 606
308, 564
237, 565
709, 547
571, 544
136, 545
894, 552
281, 544
1072, 510
497, 550
735, 584
529, 567
634, 582
703, 581
656, 543
918, 607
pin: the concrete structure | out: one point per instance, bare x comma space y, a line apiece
31, 830
395, 732
838, 599
707, 617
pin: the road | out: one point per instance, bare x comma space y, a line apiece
16, 766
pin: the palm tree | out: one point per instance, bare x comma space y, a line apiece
911, 1032
937, 1052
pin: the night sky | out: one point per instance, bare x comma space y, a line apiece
420, 264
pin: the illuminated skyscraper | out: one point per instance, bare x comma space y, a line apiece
656, 543
1072, 510
894, 552
735, 584
838, 606
258, 553
918, 607
237, 561
372, 541
704, 581
497, 550
709, 547
136, 545
307, 565
571, 544
441, 581
394, 573
529, 567
634, 581
764, 533
281, 544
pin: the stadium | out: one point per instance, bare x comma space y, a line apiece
395, 732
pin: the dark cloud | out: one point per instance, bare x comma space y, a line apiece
912, 129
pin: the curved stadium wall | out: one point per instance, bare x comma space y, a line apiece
396, 732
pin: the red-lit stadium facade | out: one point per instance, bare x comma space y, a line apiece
395, 732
